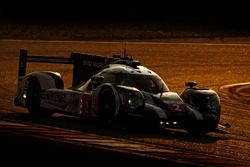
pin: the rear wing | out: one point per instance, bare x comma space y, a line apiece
84, 65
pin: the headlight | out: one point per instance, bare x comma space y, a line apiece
131, 99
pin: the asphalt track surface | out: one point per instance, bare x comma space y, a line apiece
63, 139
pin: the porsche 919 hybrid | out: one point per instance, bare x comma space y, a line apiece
115, 89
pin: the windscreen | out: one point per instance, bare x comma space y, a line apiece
147, 83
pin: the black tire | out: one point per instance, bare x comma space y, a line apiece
151, 121
201, 127
107, 105
33, 98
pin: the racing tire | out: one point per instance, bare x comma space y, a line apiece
198, 128
33, 98
151, 122
107, 105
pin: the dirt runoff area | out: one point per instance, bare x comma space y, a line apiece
87, 30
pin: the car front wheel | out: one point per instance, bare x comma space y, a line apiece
107, 104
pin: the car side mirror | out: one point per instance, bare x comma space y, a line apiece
190, 84
97, 79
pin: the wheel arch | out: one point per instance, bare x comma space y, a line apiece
46, 79
207, 103
34, 88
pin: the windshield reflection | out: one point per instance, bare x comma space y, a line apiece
147, 83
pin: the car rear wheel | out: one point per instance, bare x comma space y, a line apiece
33, 98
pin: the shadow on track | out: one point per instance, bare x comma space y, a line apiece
119, 131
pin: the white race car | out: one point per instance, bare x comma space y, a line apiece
115, 89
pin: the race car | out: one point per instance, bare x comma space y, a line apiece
115, 89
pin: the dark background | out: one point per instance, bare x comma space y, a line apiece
224, 16
192, 13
